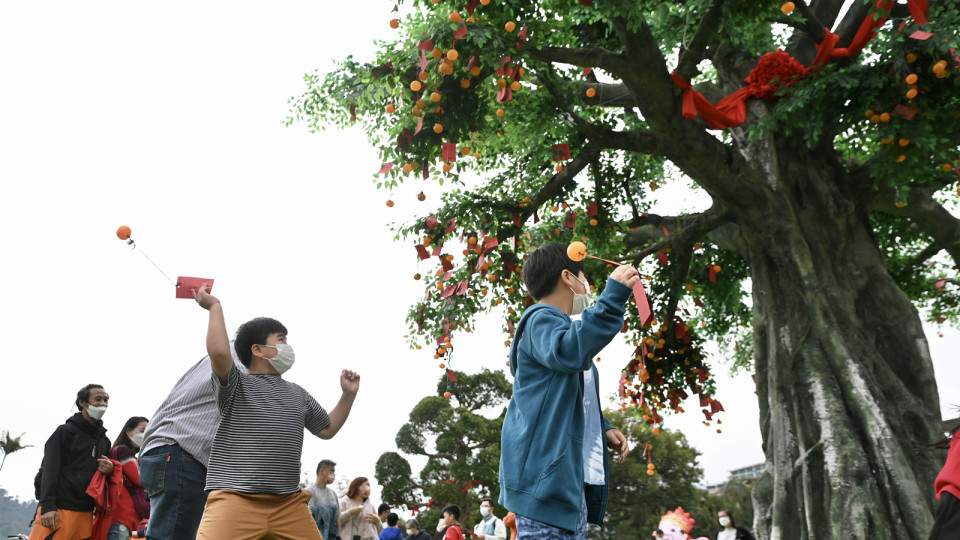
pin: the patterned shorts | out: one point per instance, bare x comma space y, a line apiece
530, 529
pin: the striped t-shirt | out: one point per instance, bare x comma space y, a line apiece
259, 442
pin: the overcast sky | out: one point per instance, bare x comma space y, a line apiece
168, 118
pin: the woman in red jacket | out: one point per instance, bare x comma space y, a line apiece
947, 486
132, 505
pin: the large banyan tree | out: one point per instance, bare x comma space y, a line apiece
825, 137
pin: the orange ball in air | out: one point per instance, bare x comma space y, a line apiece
123, 232
394, 23
577, 251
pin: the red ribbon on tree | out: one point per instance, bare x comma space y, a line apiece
777, 69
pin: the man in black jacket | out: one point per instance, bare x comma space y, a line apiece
71, 456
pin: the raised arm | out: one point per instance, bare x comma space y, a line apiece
349, 384
218, 344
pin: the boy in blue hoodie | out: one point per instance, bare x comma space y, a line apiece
553, 467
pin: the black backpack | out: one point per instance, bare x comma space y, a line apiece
69, 437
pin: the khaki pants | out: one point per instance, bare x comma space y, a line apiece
246, 516
70, 526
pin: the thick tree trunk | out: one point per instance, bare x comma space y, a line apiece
847, 395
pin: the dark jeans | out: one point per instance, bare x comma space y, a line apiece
947, 524
174, 481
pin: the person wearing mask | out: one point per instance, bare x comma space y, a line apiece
71, 456
451, 520
414, 532
730, 530
490, 527
391, 531
131, 506
358, 518
323, 501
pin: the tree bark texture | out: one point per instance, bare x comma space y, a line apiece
845, 382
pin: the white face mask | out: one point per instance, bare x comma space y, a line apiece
137, 439
96, 412
724, 521
581, 301
284, 359
484, 511
409, 532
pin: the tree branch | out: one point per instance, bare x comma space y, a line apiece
592, 57
683, 230
929, 215
851, 22
692, 54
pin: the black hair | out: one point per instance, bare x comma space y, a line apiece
543, 269
84, 394
325, 464
255, 332
122, 439
384, 507
453, 510
392, 519
487, 499
733, 522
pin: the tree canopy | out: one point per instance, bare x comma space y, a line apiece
830, 186
461, 443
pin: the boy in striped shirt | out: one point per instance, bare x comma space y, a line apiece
254, 472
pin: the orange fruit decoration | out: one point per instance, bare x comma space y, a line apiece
416, 86
465, 150
510, 26
903, 142
394, 23
868, 113
787, 8
901, 158
455, 16
947, 167
476, 154
446, 68
501, 112
452, 54
885, 117
501, 83
416, 111
447, 167
911, 93
390, 203
485, 2
577, 251
475, 70
559, 168
407, 167
594, 222
421, 104
390, 108
911, 78
464, 83
123, 232
436, 52
438, 128
435, 97
591, 92
423, 76
447, 394
421, 196
911, 58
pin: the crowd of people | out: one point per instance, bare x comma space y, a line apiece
194, 470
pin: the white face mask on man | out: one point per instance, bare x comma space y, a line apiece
284, 359
409, 532
96, 412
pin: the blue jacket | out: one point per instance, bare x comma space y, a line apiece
541, 460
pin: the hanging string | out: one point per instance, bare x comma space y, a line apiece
147, 257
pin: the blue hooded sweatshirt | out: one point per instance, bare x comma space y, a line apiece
541, 461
